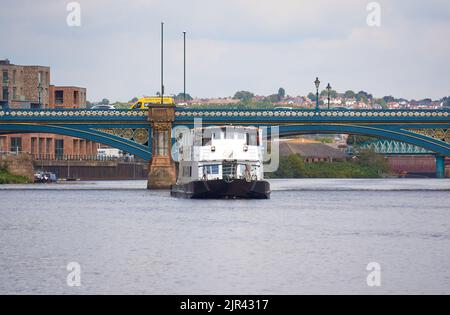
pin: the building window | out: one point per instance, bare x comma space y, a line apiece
5, 76
5, 93
33, 145
2, 144
75, 98
59, 148
14, 93
16, 144
59, 97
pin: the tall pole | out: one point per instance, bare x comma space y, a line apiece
317, 84
162, 63
184, 66
317, 98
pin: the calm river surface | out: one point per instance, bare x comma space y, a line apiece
312, 236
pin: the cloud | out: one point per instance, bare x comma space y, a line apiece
235, 44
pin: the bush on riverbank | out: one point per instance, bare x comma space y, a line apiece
366, 165
8, 178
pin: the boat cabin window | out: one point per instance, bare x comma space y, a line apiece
229, 170
252, 138
216, 135
229, 133
211, 169
240, 134
187, 171
206, 140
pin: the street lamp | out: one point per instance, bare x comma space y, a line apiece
329, 90
317, 83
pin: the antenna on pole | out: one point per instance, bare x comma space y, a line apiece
162, 63
184, 66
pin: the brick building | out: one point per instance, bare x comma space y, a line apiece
67, 97
24, 86
29, 87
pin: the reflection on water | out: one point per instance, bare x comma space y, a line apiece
312, 236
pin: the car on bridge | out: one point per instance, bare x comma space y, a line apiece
145, 102
103, 107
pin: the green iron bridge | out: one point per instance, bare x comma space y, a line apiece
132, 130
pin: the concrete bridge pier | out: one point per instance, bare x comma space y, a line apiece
161, 173
440, 166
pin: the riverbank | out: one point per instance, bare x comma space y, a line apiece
8, 178
367, 165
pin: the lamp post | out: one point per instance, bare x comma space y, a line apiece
328, 90
184, 66
317, 83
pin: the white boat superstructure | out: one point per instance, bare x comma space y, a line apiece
224, 152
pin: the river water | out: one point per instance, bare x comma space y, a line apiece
312, 236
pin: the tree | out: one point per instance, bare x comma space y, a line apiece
324, 93
273, 98
446, 102
243, 96
134, 100
363, 96
388, 99
180, 97
349, 94
312, 97
281, 94
105, 101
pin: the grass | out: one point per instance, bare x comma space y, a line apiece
8, 178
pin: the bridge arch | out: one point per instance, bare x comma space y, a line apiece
378, 131
125, 145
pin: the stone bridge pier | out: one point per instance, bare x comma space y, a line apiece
161, 171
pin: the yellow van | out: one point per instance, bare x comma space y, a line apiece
145, 102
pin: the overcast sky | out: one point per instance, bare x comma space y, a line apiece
255, 45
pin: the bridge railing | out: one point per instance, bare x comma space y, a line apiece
84, 157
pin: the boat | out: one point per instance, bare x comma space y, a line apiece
221, 162
44, 177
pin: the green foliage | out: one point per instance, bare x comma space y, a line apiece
324, 93
381, 102
359, 139
446, 102
291, 166
281, 94
134, 100
179, 97
243, 96
367, 165
312, 97
104, 101
8, 178
363, 96
349, 94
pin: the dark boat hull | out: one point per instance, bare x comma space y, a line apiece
219, 189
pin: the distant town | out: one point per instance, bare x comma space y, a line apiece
342, 100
